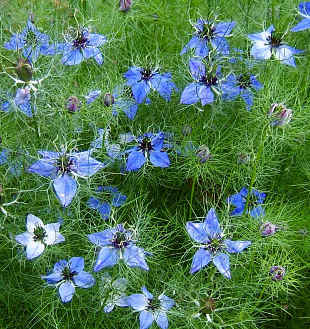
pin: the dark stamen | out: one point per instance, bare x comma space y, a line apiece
64, 165
146, 74
39, 233
274, 41
67, 274
120, 240
244, 81
146, 145
209, 80
80, 42
207, 32
215, 244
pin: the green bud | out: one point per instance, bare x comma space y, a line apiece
24, 70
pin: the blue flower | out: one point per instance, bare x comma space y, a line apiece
117, 244
268, 43
208, 33
304, 11
68, 275
92, 96
104, 208
59, 166
31, 41
116, 292
38, 236
212, 245
142, 80
21, 101
149, 146
204, 87
84, 46
256, 199
151, 308
241, 85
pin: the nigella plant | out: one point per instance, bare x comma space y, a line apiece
61, 166
38, 236
280, 115
304, 12
254, 198
14, 162
208, 33
205, 85
104, 208
212, 245
142, 80
84, 46
150, 146
269, 43
31, 41
117, 244
241, 85
67, 275
151, 308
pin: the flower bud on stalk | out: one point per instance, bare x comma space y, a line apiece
108, 100
124, 5
23, 70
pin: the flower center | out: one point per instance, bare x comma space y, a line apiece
120, 240
215, 244
80, 42
153, 304
252, 201
31, 38
146, 74
39, 234
209, 80
244, 81
64, 164
146, 145
207, 31
274, 40
67, 274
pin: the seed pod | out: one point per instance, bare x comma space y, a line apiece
277, 273
73, 104
268, 229
24, 70
124, 5
108, 100
203, 153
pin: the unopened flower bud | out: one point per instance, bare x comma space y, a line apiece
268, 229
280, 114
108, 99
23, 70
277, 273
203, 153
243, 158
124, 5
73, 104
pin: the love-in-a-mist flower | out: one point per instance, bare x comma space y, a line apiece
280, 115
143, 80
268, 229
73, 104
256, 199
38, 236
151, 308
114, 291
150, 147
61, 166
269, 44
241, 85
212, 245
67, 275
117, 244
304, 12
205, 85
84, 46
31, 41
104, 208
207, 34
277, 273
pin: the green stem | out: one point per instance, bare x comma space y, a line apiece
192, 197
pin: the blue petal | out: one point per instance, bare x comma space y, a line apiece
90, 52
191, 44
72, 57
304, 8
85, 165
206, 95
84, 279
34, 249
166, 302
5, 106
220, 45
118, 200
93, 95
140, 91
197, 68
146, 319
137, 301
162, 320
66, 291
99, 58
76, 264
146, 293
190, 94
93, 203
257, 212
224, 29
255, 83
53, 278
211, 223
197, 232
201, 259
158, 141
133, 75
44, 168
159, 159
135, 257
248, 98
202, 49
102, 238
104, 210
237, 200
261, 52
4, 156
236, 246
221, 261
107, 257
237, 211
65, 187
96, 40
135, 160
24, 238
59, 266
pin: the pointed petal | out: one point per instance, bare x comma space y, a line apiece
159, 159
72, 57
135, 257
33, 222
135, 160
101, 238
197, 232
85, 165
304, 24
140, 91
201, 259
257, 212
53, 236
53, 278
196, 68
76, 264
84, 280
236, 246
137, 301
161, 319
221, 261
66, 291
206, 95
24, 238
166, 302
107, 257
212, 224
248, 98
146, 319
43, 168
65, 187
34, 249
190, 94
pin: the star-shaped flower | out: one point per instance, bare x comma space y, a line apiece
304, 12
38, 236
213, 246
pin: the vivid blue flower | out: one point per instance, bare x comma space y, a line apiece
21, 101
117, 244
204, 86
151, 308
92, 96
31, 41
69, 275
241, 85
115, 291
59, 166
213, 246
304, 11
150, 146
256, 199
84, 46
142, 80
104, 208
208, 33
38, 236
268, 43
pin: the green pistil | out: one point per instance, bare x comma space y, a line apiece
39, 234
